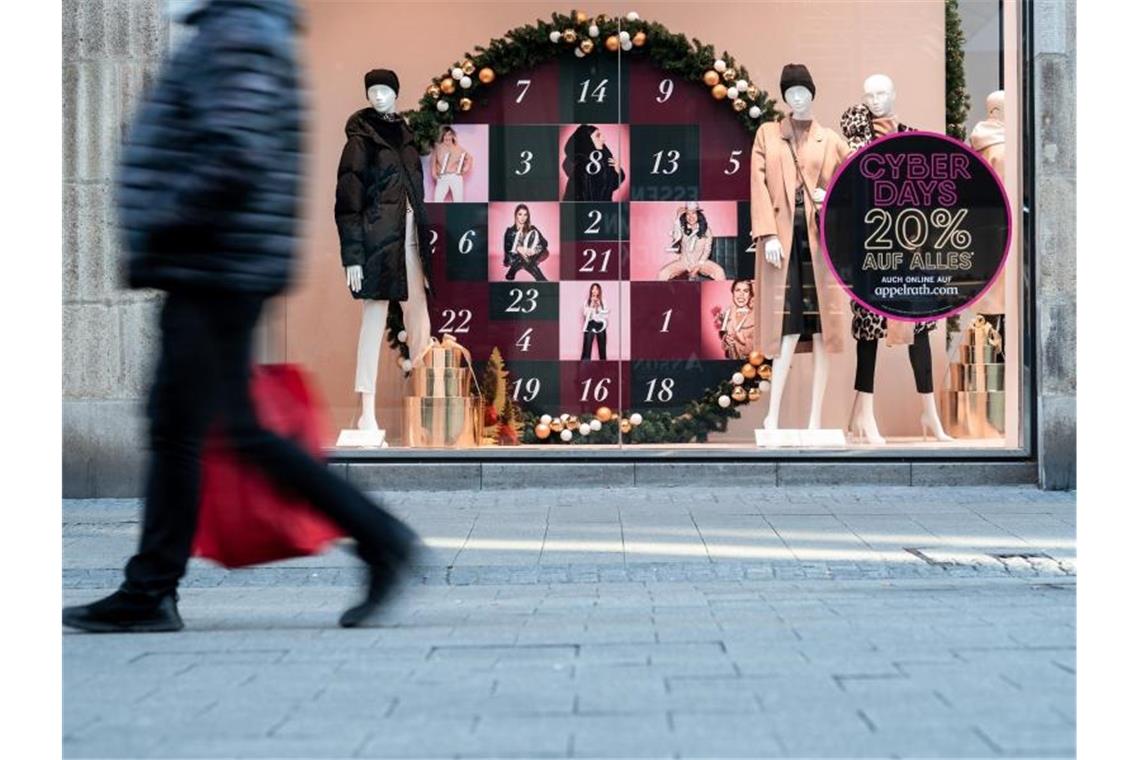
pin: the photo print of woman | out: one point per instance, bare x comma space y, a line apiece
524, 246
591, 169
736, 323
691, 241
450, 165
595, 320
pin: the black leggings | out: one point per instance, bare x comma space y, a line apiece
920, 362
589, 335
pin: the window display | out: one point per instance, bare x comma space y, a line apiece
620, 229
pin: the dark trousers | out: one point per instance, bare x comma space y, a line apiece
921, 363
203, 376
588, 341
518, 262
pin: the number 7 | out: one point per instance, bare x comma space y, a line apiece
525, 85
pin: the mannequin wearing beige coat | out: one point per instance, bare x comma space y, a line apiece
774, 184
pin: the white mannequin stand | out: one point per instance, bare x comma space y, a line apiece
879, 97
799, 99
373, 321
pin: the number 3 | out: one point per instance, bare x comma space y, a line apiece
526, 157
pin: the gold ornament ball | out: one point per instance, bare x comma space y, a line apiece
756, 358
604, 414
581, 17
739, 105
613, 43
600, 19
486, 75
739, 394
465, 104
556, 425
720, 92
570, 36
433, 91
639, 39
447, 86
753, 92
542, 432
587, 46
468, 67
753, 394
626, 426
572, 423
729, 75
748, 371
765, 372
711, 78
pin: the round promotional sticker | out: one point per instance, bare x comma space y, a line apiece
916, 226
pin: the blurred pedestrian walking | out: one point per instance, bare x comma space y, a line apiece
208, 207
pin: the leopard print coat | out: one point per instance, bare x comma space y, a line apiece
855, 123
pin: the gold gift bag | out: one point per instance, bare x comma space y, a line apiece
973, 406
440, 410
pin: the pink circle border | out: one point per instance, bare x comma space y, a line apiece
1008, 235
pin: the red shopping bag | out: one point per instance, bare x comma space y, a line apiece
244, 518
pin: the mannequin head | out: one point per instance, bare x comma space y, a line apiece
798, 89
995, 106
879, 95
382, 97
799, 100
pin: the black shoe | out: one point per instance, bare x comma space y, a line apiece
384, 576
127, 611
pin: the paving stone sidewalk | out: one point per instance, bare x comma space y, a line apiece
789, 622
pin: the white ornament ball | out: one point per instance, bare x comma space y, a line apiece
754, 112
632, 16
594, 31
627, 46
737, 378
595, 425
566, 435
579, 52
724, 401
456, 73
406, 364
545, 419
741, 85
442, 106
623, 36
635, 419
584, 429
733, 93
720, 65
555, 36
465, 82
402, 336
764, 386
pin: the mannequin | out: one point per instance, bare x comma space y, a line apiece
785, 204
863, 124
988, 138
382, 224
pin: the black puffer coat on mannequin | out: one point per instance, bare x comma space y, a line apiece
379, 171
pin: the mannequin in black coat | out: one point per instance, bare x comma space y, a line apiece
590, 166
382, 223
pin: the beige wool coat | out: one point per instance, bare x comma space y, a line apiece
774, 182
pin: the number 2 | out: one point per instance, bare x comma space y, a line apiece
595, 226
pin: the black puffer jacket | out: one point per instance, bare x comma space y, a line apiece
379, 172
207, 191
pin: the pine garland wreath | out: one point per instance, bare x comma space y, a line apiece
957, 97
526, 47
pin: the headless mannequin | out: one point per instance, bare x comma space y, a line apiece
879, 97
799, 99
374, 316
988, 137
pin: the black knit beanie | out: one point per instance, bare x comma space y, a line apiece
382, 76
796, 74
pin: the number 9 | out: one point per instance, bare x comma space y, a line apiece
666, 90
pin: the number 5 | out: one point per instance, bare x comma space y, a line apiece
732, 159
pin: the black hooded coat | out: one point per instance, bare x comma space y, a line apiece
590, 178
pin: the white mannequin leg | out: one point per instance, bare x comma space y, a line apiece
780, 369
417, 321
820, 367
374, 318
929, 419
